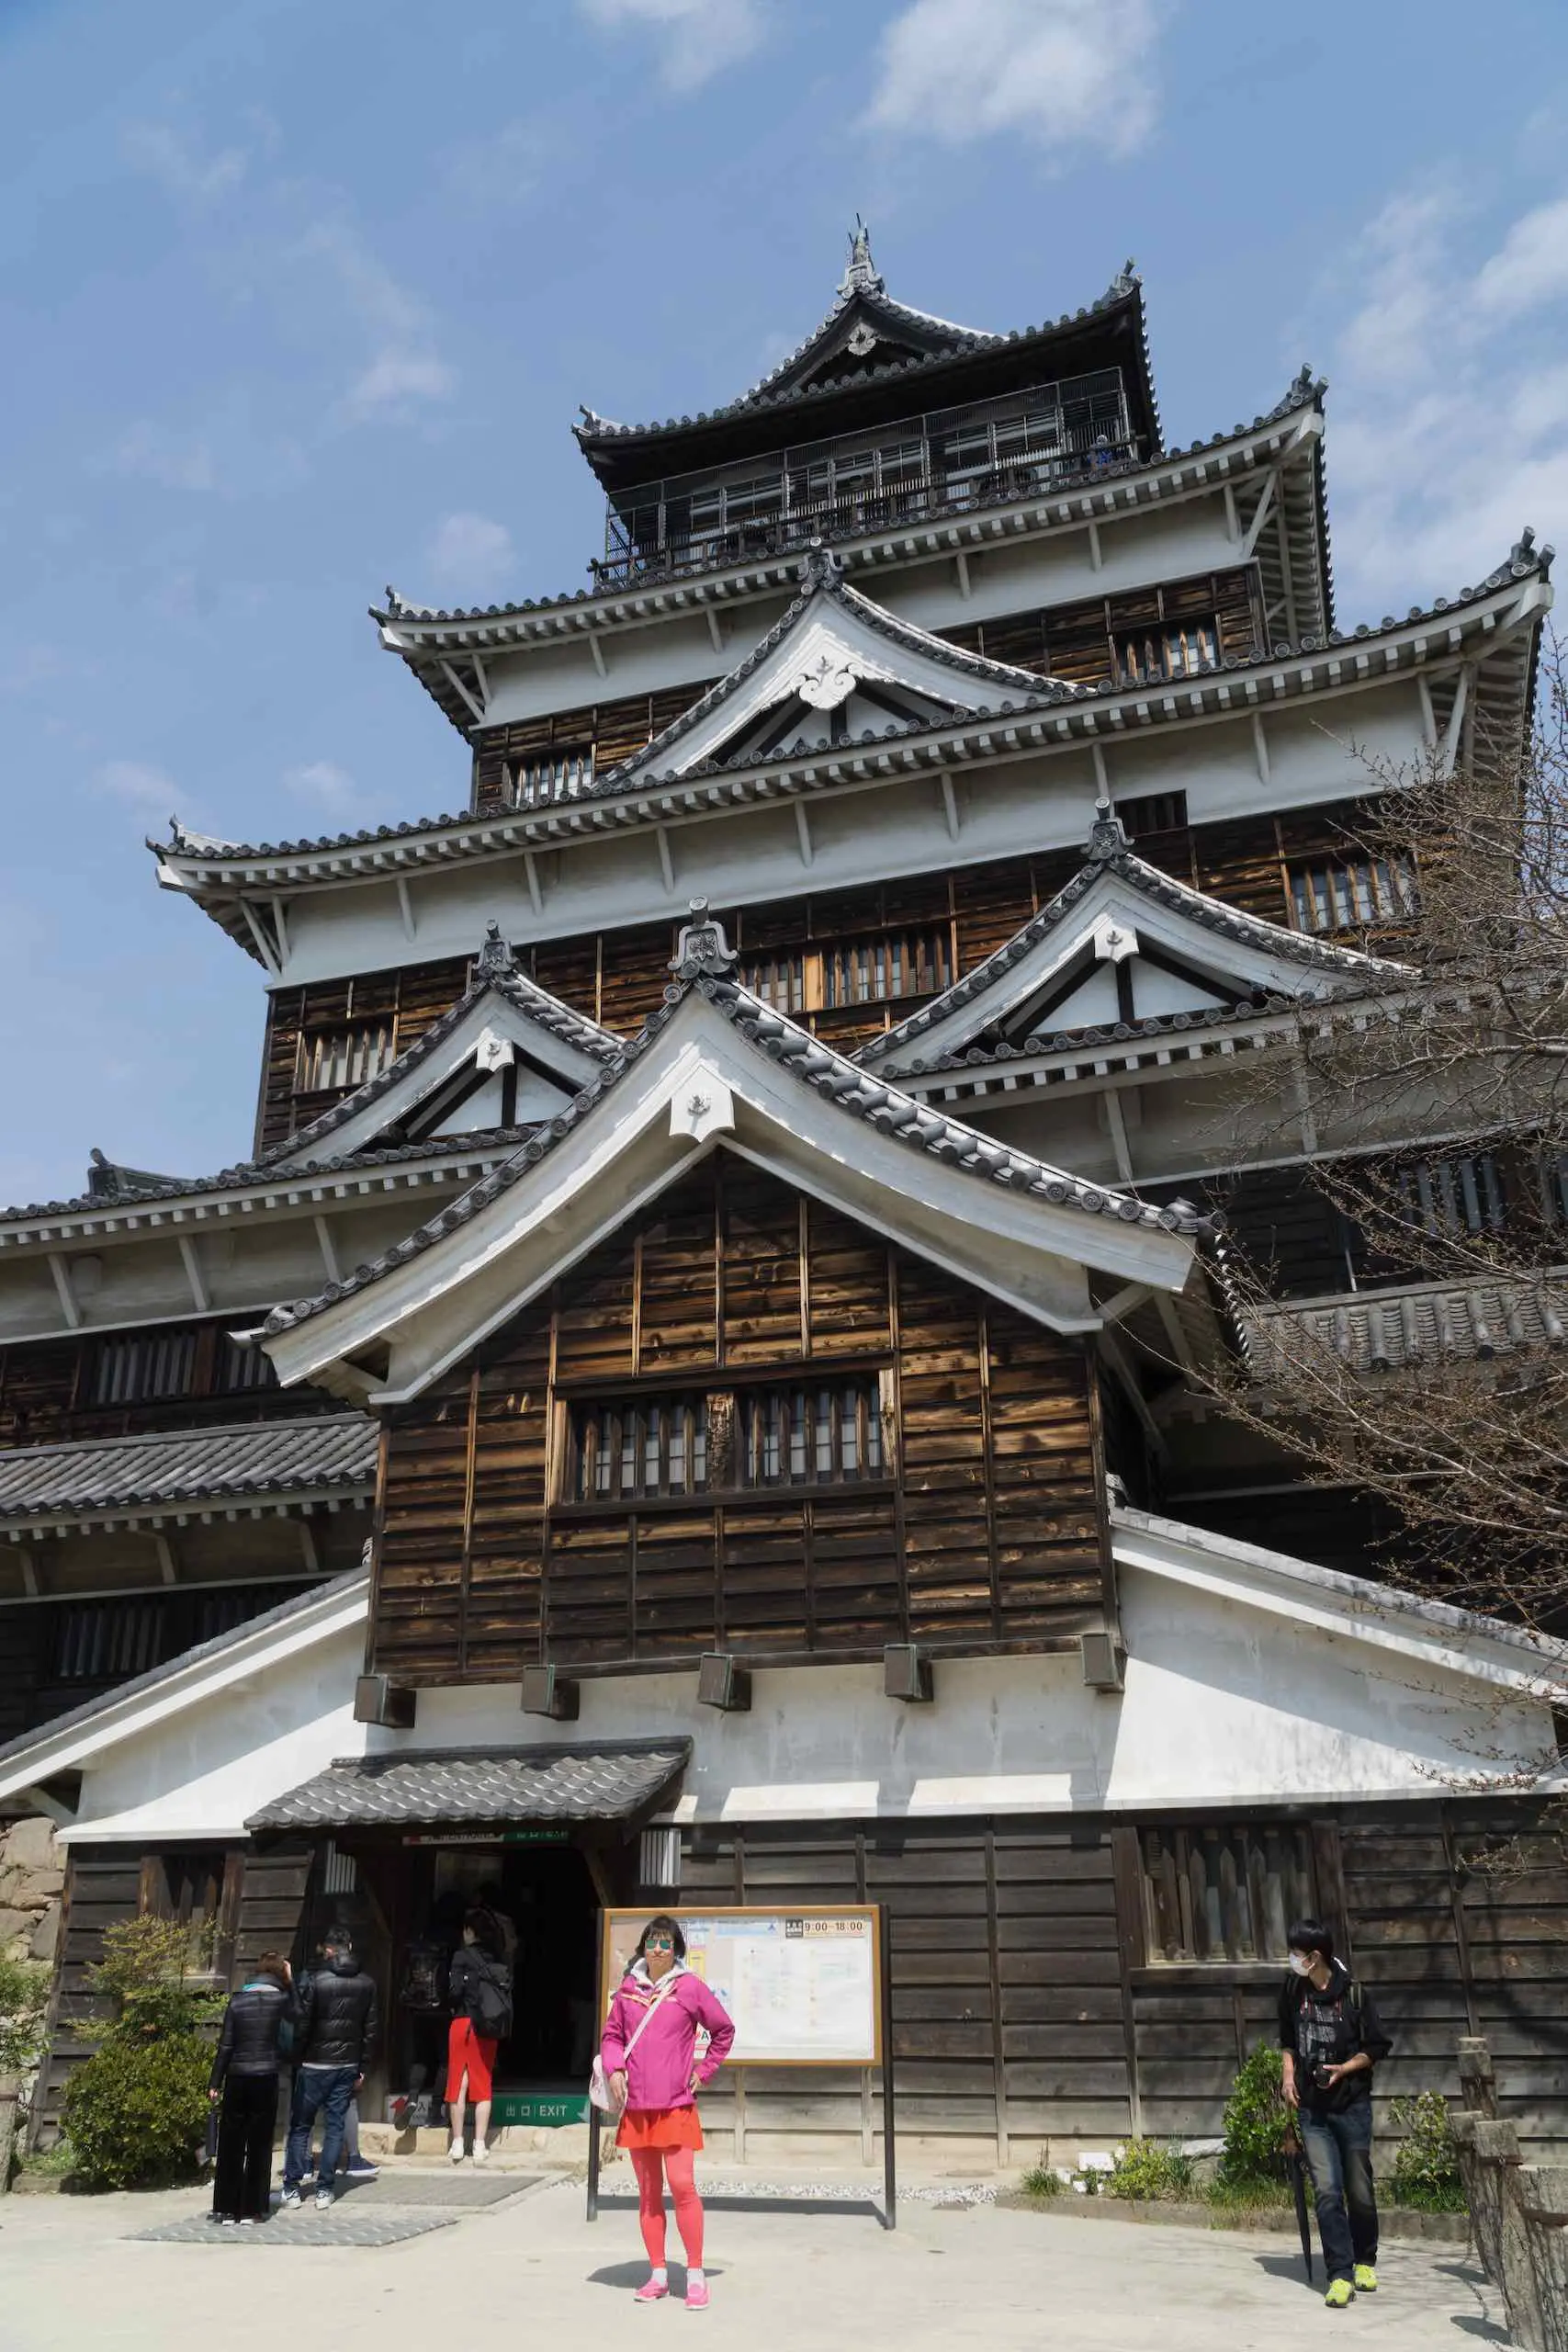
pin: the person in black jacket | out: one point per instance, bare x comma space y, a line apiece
1331, 2038
337, 2029
244, 2076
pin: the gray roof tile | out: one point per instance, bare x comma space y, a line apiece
120, 1475
609, 1782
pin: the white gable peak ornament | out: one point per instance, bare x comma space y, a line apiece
824, 683
1113, 940
702, 1105
491, 1051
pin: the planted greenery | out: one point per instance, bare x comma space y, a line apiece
23, 2003
1424, 2173
136, 2112
1251, 2167
1147, 2170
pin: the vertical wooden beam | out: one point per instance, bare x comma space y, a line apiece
229, 1913
804, 1227
717, 1166
466, 1569
899, 1542
637, 1302
993, 1557
1329, 1863
1462, 1932
993, 1954
1126, 1871
1109, 1597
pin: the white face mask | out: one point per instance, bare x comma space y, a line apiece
1302, 1962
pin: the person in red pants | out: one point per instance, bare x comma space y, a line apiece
650, 2056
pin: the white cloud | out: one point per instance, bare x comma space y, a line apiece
179, 165
472, 553
697, 38
1531, 264
147, 450
506, 167
138, 784
327, 787
1447, 430
404, 371
1066, 73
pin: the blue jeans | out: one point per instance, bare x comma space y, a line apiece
329, 2088
1339, 2151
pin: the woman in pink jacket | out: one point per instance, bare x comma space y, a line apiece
649, 2057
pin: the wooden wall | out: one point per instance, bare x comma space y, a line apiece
608, 731
983, 1535
47, 1388
618, 978
1087, 643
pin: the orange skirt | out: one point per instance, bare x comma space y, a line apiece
660, 2126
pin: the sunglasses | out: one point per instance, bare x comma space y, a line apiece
660, 1943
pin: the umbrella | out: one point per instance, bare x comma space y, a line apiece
1297, 2162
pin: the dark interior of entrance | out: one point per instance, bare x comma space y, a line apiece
547, 1895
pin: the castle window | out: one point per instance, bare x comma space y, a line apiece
1346, 894
894, 964
779, 980
1454, 1195
826, 1434
335, 1058
559, 772
142, 1370
241, 1367
801, 1433
1217, 1894
1179, 650
106, 1641
634, 1447
1153, 812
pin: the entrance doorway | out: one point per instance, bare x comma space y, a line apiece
544, 1897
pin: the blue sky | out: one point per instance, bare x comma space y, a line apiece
298, 299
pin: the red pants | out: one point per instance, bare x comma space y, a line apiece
650, 2164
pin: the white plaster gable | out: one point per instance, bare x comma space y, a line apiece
493, 1029
1060, 972
698, 1081
835, 666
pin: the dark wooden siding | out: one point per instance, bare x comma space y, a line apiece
1083, 642
612, 731
983, 1533
48, 1390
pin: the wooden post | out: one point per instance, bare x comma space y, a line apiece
11, 2097
889, 2124
1543, 2201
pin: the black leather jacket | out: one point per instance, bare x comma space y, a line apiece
338, 2018
248, 2043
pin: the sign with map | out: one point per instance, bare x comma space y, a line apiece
804, 1986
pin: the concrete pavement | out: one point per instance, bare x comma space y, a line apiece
73, 2275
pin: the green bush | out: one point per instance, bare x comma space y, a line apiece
1145, 2171
1425, 2172
1043, 2180
136, 2112
23, 2003
1250, 2169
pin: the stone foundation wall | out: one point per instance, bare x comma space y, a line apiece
32, 1887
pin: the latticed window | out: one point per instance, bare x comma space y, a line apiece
105, 1641
779, 980
1343, 893
907, 963
634, 1447
1225, 1894
242, 1367
141, 1370
559, 772
1454, 1195
344, 1058
828, 1433
1153, 812
1176, 649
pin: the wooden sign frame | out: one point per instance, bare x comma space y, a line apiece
882, 1991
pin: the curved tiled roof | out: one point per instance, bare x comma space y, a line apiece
174, 1470
612, 1781
911, 1123
1109, 853
1527, 559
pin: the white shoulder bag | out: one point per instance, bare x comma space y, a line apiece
599, 2089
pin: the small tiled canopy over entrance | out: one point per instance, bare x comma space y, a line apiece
612, 1781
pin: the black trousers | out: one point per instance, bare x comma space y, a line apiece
242, 2180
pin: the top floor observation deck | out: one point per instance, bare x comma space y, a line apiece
945, 461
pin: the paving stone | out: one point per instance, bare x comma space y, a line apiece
349, 2222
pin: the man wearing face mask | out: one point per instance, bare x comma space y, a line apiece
1331, 2038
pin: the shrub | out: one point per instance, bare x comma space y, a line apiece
1254, 2120
24, 2002
1144, 2170
1425, 2172
1043, 2180
136, 2112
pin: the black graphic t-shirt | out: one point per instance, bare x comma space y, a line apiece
1324, 2029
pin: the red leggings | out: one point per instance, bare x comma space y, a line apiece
650, 2164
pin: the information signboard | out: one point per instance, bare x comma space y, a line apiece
803, 1987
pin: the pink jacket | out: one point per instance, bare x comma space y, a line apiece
658, 2073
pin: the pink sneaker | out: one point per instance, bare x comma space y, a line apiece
697, 2295
651, 2291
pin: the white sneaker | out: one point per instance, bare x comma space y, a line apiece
481, 2153
324, 2198
455, 2152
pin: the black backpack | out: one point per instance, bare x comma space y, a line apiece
492, 1997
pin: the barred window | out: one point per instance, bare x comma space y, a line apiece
140, 1371
779, 980
633, 1448
332, 1058
559, 772
1454, 1195
242, 1367
1176, 649
108, 1640
1221, 1894
1342, 894
827, 1435
1153, 812
909, 963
